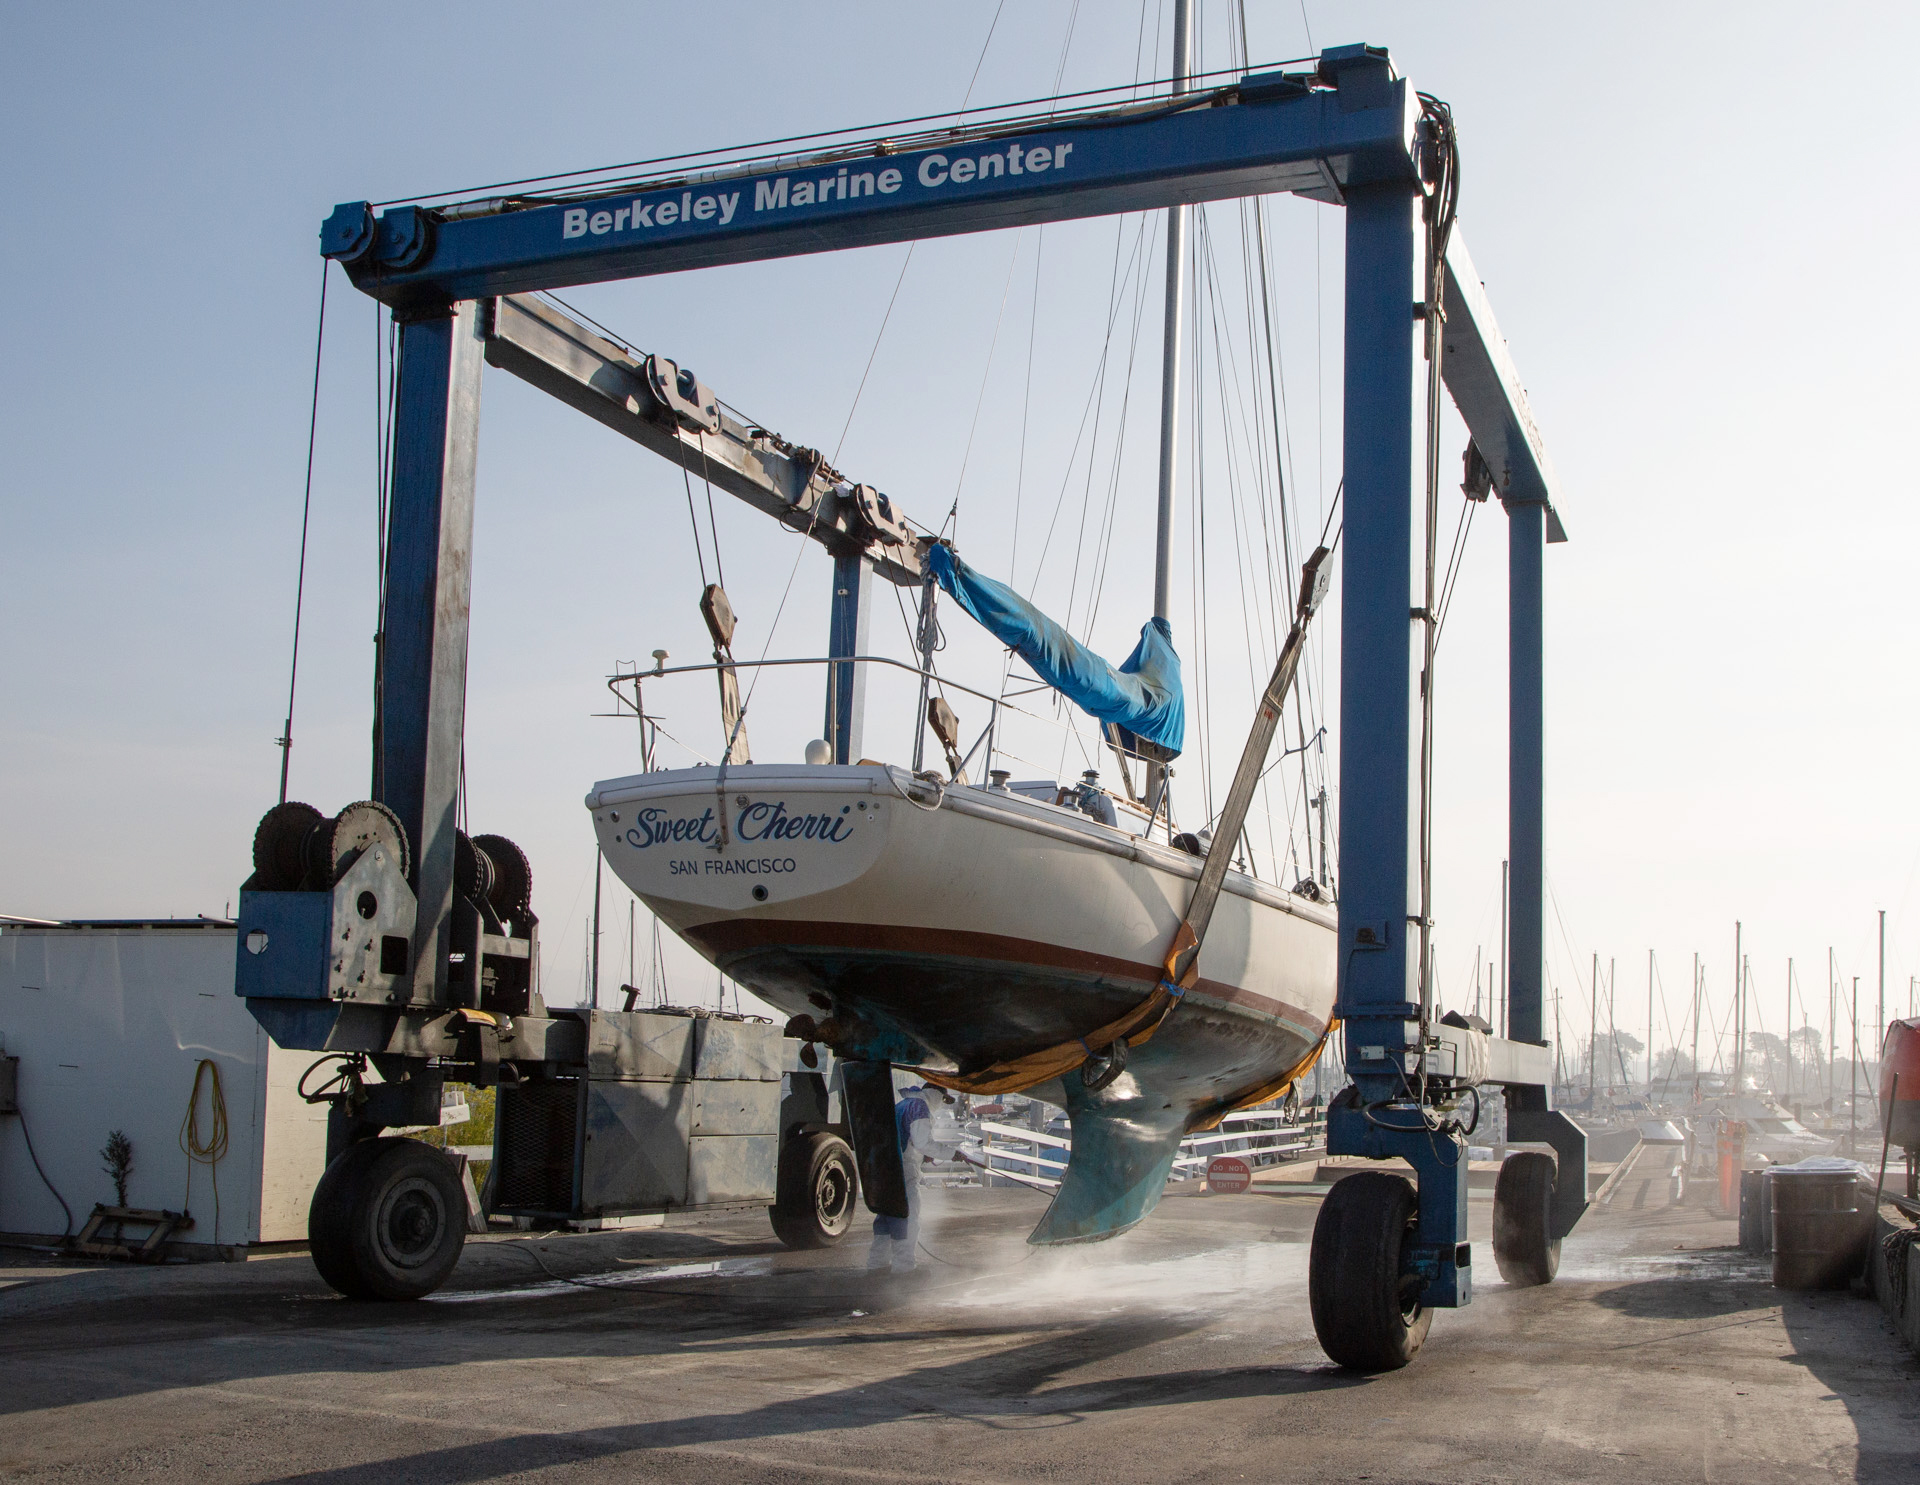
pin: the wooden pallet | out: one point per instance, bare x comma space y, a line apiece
117, 1245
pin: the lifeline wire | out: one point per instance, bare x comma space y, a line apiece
306, 509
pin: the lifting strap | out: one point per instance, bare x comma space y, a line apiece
1182, 967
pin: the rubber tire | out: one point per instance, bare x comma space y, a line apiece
817, 1191
1358, 1296
388, 1220
1523, 1246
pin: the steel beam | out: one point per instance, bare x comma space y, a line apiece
1485, 386
1268, 133
559, 355
429, 564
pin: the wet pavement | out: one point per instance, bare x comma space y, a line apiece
1182, 1351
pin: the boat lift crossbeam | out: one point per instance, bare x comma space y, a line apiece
1348, 133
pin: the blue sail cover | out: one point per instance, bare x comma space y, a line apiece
1143, 695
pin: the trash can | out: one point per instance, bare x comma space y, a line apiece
1819, 1237
1756, 1212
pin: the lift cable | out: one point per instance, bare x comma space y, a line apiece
694, 521
1440, 210
306, 510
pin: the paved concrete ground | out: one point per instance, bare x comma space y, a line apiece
1180, 1352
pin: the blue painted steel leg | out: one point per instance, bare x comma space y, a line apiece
1379, 765
1526, 830
1379, 987
1530, 1112
847, 635
424, 674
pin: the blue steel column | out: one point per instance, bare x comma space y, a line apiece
1530, 1111
424, 667
1378, 764
847, 635
1526, 827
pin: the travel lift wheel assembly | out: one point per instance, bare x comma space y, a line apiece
1524, 1246
1366, 1306
1364, 1297
817, 1187
388, 1220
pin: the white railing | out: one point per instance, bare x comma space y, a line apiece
1054, 742
1022, 1158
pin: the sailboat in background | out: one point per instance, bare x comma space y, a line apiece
1056, 939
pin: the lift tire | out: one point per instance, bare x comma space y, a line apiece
388, 1220
1524, 1247
817, 1191
1366, 1313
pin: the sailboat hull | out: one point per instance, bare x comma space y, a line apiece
966, 926
957, 928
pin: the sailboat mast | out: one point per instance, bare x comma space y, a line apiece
1170, 351
1170, 386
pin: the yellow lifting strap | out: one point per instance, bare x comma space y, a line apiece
1136, 1026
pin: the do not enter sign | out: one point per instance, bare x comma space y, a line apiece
1228, 1174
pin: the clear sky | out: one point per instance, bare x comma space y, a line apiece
1695, 223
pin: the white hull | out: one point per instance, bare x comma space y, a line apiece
984, 928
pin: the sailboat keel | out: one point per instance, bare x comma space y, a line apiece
1124, 1143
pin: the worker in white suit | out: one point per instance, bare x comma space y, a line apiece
897, 1239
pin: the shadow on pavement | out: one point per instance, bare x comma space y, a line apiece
1008, 1390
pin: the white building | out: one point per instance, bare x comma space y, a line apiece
111, 1023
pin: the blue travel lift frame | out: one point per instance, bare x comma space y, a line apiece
1347, 133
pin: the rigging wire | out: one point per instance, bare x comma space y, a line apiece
1240, 487
982, 60
1089, 408
1051, 102
879, 335
1026, 400
306, 511
986, 377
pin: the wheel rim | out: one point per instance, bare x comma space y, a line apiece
832, 1197
1410, 1284
411, 1222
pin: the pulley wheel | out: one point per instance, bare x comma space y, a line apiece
472, 869
279, 846
361, 825
512, 895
